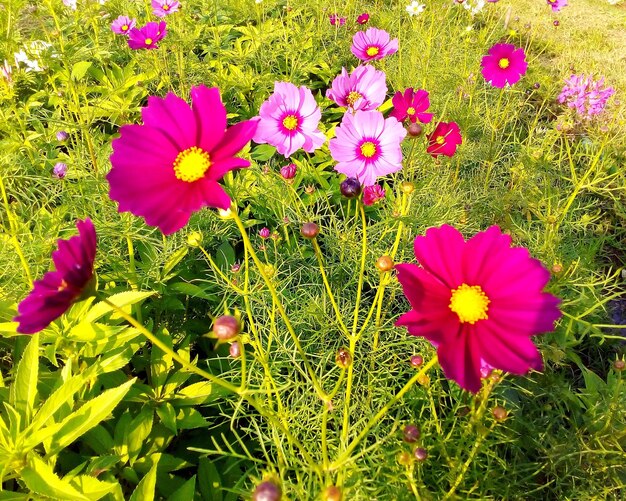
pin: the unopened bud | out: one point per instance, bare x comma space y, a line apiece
226, 327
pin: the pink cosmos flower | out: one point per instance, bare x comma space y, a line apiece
58, 290
162, 8
478, 301
363, 18
367, 146
444, 139
147, 36
59, 170
411, 105
586, 95
289, 120
122, 25
364, 89
504, 65
168, 168
373, 194
556, 5
335, 19
264, 233
373, 44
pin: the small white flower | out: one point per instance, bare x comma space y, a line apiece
258, 1
31, 64
70, 3
474, 6
415, 8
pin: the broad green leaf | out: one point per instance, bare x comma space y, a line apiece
145, 490
99, 439
24, 388
189, 290
79, 69
121, 300
88, 416
139, 429
185, 492
167, 414
196, 393
209, 481
125, 341
172, 261
41, 479
93, 331
160, 362
16, 496
93, 488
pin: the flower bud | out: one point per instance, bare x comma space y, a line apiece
194, 239
332, 493
62, 136
417, 361
310, 230
343, 358
235, 349
288, 172
415, 130
404, 458
60, 170
226, 327
264, 233
420, 454
350, 188
557, 268
384, 263
266, 491
407, 187
410, 433
499, 413
619, 365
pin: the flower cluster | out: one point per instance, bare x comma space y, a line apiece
149, 35
586, 95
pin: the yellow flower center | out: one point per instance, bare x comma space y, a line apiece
504, 63
440, 140
125, 27
372, 51
290, 122
191, 164
410, 111
166, 7
62, 286
470, 303
368, 149
353, 97
148, 41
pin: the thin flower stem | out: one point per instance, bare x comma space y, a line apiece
219, 272
316, 385
381, 413
318, 254
216, 380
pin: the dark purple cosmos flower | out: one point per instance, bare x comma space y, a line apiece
147, 36
57, 290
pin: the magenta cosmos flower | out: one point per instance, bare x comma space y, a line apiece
504, 65
556, 5
363, 89
363, 18
411, 105
444, 140
147, 36
122, 25
162, 8
367, 146
373, 44
478, 301
58, 290
169, 167
289, 120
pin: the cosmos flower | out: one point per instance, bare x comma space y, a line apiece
289, 120
556, 5
586, 95
169, 167
58, 290
59, 170
363, 18
412, 105
122, 25
335, 19
444, 139
415, 8
367, 146
363, 89
373, 194
373, 44
70, 3
162, 8
147, 36
478, 301
504, 65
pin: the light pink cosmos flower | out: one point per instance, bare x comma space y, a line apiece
504, 65
586, 95
122, 25
289, 120
373, 194
556, 5
367, 146
162, 8
373, 44
147, 36
363, 89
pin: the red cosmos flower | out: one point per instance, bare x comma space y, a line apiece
411, 105
169, 167
504, 65
444, 139
363, 18
478, 301
57, 290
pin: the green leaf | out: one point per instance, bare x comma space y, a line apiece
121, 300
14, 496
167, 415
41, 479
93, 331
263, 152
145, 489
209, 481
92, 487
185, 492
24, 388
79, 69
139, 429
189, 290
196, 393
172, 261
88, 416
